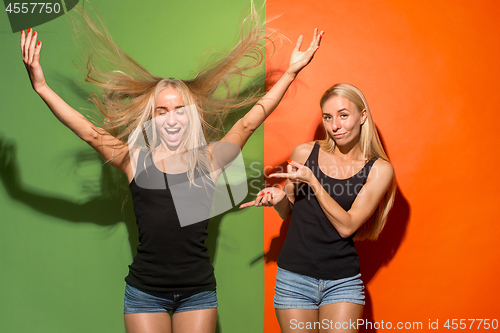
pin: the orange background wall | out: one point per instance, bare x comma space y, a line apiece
430, 72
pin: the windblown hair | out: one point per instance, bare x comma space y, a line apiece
372, 147
129, 91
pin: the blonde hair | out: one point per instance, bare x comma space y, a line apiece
371, 147
129, 91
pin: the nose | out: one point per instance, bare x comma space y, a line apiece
170, 118
335, 124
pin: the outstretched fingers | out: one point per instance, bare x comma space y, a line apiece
36, 55
314, 39
300, 59
32, 47
23, 41
298, 44
27, 44
314, 46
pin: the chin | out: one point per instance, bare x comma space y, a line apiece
175, 143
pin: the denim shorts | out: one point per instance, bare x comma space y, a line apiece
296, 291
139, 301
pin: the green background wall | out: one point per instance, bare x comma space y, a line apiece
65, 241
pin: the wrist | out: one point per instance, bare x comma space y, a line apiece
315, 185
290, 74
40, 89
284, 207
283, 202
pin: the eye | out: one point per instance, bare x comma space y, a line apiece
327, 117
180, 112
343, 116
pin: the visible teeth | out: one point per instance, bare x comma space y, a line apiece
173, 131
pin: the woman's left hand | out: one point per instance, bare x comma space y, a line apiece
297, 173
300, 59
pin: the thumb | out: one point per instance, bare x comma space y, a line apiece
295, 164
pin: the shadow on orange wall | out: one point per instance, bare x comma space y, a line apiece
374, 255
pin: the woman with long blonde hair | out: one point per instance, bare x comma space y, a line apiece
159, 132
338, 190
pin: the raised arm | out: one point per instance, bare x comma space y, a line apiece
110, 148
244, 128
347, 222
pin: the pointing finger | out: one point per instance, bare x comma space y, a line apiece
248, 204
279, 175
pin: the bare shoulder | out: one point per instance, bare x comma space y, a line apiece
302, 151
382, 170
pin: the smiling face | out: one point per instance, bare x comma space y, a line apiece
342, 120
171, 117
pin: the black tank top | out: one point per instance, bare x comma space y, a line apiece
171, 258
313, 247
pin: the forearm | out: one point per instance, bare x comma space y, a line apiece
256, 116
284, 208
71, 118
341, 220
298, 60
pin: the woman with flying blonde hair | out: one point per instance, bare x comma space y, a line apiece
159, 132
338, 190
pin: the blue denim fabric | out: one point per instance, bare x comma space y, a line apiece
139, 301
296, 291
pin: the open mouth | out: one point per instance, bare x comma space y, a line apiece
173, 131
173, 135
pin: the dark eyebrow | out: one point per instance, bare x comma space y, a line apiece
164, 108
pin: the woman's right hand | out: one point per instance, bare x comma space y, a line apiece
270, 196
31, 57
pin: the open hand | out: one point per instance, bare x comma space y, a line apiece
270, 196
300, 59
31, 58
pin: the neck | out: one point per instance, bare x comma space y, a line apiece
351, 151
167, 150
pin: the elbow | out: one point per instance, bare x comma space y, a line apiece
346, 232
283, 212
90, 137
248, 125
284, 216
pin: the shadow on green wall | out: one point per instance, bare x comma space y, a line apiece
108, 199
